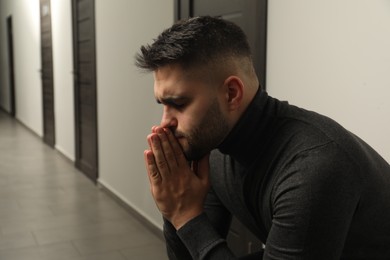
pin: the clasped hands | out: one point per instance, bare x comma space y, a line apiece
177, 186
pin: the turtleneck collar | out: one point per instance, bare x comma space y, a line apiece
244, 140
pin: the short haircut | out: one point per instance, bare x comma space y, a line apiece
195, 42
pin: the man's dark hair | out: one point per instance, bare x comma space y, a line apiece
194, 42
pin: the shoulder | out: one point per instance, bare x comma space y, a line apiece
317, 174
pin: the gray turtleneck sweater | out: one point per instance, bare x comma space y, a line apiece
304, 185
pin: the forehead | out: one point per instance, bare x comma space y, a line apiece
173, 80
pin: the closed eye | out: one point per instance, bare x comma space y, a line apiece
177, 103
177, 106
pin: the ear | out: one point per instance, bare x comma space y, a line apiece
234, 88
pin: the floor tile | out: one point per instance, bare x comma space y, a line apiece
105, 256
61, 251
145, 253
116, 242
49, 210
70, 233
16, 240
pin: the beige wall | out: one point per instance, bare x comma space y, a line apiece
334, 57
127, 108
63, 76
27, 61
27, 55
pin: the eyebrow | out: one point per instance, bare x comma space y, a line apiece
171, 100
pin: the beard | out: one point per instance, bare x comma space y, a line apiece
207, 135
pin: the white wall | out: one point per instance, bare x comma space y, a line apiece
126, 106
27, 61
63, 77
333, 57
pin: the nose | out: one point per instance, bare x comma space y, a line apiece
168, 119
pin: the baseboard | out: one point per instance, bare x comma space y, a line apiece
64, 154
3, 110
144, 221
57, 149
28, 128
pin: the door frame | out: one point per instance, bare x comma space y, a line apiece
184, 9
10, 41
49, 133
95, 173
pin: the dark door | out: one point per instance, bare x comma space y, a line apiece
85, 87
11, 66
47, 74
251, 16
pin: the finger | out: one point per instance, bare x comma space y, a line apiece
154, 129
176, 147
149, 139
151, 168
159, 157
167, 148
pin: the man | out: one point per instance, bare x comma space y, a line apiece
304, 185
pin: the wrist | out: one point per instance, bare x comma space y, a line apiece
181, 220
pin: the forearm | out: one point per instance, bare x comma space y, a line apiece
199, 240
176, 250
195, 240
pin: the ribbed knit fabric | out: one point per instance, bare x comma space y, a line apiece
304, 185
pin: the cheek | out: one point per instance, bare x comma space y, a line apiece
189, 120
186, 124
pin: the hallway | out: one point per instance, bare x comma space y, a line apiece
49, 210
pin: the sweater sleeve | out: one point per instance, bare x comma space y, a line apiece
203, 242
176, 250
313, 202
197, 239
203, 237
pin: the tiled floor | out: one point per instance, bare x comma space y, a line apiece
49, 210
